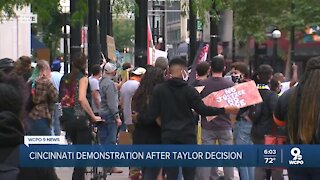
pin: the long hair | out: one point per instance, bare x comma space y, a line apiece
79, 61
304, 106
23, 65
40, 68
152, 77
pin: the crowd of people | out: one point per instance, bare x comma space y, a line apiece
154, 105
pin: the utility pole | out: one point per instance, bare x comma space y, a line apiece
141, 34
213, 34
109, 18
75, 35
93, 44
193, 33
292, 35
103, 26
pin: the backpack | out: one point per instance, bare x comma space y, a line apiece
68, 97
255, 112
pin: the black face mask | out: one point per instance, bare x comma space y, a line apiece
236, 79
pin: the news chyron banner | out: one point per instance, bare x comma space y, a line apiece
281, 156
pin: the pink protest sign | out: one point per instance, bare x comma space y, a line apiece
241, 95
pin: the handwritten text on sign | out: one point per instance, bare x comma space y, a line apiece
241, 95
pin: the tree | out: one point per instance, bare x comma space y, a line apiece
123, 30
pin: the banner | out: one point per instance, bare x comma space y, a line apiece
170, 155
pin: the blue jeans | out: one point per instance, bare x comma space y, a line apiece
107, 131
241, 131
39, 127
56, 113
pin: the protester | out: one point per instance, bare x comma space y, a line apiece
218, 129
107, 131
6, 65
13, 96
287, 85
172, 102
262, 123
275, 86
75, 106
242, 126
126, 68
299, 110
44, 95
161, 63
126, 93
203, 71
55, 79
94, 86
23, 67
145, 132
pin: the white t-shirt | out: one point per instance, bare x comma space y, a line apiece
55, 79
126, 93
94, 86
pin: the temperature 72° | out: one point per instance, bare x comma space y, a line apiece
269, 160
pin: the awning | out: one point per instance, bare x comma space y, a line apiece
36, 44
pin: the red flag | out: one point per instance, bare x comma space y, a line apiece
149, 39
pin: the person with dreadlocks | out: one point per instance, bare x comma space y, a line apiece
299, 110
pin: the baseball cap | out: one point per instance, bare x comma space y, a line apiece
110, 67
6, 63
138, 71
55, 66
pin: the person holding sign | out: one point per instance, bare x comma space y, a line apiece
173, 102
242, 126
218, 128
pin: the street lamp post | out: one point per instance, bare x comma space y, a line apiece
65, 4
276, 34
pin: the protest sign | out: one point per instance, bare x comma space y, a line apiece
241, 95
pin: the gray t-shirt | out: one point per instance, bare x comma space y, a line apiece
94, 85
109, 97
126, 93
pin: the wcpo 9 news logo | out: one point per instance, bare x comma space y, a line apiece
297, 157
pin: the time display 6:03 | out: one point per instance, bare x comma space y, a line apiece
270, 151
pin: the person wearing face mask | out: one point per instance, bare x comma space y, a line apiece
172, 102
242, 126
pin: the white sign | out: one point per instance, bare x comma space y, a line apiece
43, 140
28, 18
32, 18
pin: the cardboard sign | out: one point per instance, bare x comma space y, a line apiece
111, 48
241, 95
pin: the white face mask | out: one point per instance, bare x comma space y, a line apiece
185, 75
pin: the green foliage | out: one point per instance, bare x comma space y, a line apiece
123, 31
123, 7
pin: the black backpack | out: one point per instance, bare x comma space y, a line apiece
255, 112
